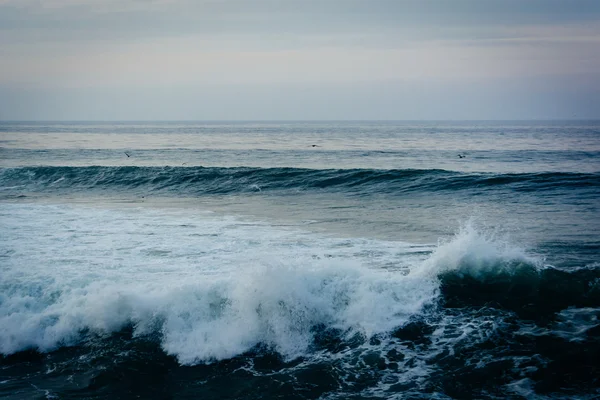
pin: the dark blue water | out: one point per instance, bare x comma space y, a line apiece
300, 260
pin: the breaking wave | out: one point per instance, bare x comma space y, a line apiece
248, 287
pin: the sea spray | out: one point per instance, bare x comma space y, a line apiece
477, 252
248, 285
211, 292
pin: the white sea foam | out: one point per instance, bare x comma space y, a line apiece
477, 253
212, 287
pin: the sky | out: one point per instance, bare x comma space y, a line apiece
299, 59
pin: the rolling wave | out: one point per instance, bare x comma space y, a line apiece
213, 180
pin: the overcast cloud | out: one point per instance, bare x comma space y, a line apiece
299, 59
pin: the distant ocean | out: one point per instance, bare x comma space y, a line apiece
300, 260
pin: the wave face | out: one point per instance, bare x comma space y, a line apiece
200, 180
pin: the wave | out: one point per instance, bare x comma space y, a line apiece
214, 319
477, 269
248, 286
208, 288
212, 180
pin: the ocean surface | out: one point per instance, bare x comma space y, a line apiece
300, 260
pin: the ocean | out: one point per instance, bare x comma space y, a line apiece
300, 260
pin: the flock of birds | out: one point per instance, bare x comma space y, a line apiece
312, 145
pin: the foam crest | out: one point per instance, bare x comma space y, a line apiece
477, 253
280, 307
220, 318
208, 289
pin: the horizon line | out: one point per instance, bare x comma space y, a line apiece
296, 120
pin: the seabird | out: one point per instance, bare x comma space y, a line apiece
314, 145
461, 156
127, 155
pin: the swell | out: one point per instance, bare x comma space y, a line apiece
213, 180
529, 292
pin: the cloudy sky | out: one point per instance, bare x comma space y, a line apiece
299, 59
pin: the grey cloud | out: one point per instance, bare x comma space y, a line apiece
135, 18
315, 59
